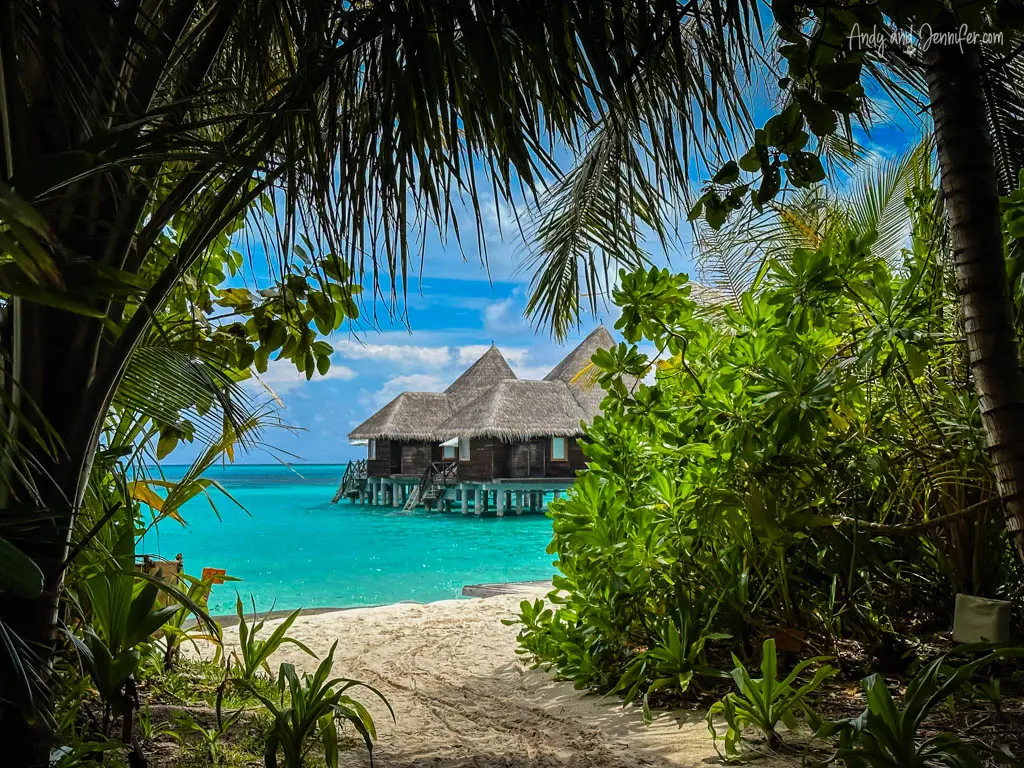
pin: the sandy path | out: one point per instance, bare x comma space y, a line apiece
462, 698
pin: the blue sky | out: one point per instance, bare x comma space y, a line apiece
455, 308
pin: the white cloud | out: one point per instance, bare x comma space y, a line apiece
500, 221
281, 376
531, 372
503, 318
403, 354
413, 382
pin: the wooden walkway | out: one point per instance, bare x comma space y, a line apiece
524, 588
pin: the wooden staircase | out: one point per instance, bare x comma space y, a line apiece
353, 481
434, 484
413, 501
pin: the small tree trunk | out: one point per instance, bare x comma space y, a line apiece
969, 183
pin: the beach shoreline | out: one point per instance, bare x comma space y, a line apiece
524, 589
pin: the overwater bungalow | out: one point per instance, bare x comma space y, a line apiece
402, 437
490, 440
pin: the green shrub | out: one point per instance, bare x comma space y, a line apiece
765, 702
802, 458
885, 735
312, 705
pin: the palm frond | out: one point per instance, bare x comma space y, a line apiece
679, 109
171, 386
877, 200
591, 221
1003, 76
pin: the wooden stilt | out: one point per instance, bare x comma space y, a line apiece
519, 502
478, 502
464, 494
499, 502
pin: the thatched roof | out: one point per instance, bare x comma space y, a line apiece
487, 400
579, 358
583, 383
410, 416
416, 415
479, 377
515, 409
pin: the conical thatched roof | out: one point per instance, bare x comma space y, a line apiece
410, 416
583, 384
515, 409
579, 358
479, 377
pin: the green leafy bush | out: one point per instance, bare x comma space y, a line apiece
806, 459
765, 702
885, 735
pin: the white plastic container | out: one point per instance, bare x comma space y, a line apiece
981, 620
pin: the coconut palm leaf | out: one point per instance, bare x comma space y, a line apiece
172, 385
1003, 74
875, 202
676, 112
583, 233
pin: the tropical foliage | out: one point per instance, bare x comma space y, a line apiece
804, 459
767, 701
885, 735
136, 141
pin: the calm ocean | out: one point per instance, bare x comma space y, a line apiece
294, 549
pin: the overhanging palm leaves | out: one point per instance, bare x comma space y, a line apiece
358, 124
1003, 75
733, 258
674, 113
584, 227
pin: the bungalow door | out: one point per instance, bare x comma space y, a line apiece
519, 460
538, 459
415, 458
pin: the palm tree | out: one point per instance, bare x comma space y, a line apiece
735, 258
138, 135
974, 98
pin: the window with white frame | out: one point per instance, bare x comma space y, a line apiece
447, 451
463, 449
558, 450
371, 449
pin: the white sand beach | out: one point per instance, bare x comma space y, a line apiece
463, 699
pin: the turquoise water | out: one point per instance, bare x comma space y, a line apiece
297, 550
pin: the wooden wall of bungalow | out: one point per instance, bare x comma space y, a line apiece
400, 457
491, 458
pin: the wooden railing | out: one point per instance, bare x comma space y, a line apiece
354, 475
437, 473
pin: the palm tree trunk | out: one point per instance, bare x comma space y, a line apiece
970, 187
54, 377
